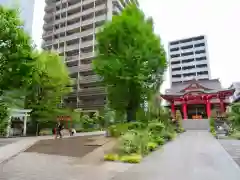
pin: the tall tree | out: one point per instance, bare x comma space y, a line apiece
130, 59
50, 82
15, 51
234, 115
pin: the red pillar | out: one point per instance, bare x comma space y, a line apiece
208, 108
184, 109
222, 107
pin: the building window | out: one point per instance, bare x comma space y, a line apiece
200, 52
201, 58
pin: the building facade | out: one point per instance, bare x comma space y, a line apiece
26, 11
188, 59
70, 28
197, 98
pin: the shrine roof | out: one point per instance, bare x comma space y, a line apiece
208, 86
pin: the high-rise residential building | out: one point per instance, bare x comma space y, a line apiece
26, 8
70, 28
188, 59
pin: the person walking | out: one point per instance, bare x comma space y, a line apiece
59, 129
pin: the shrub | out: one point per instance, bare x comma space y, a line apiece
133, 142
118, 130
45, 132
87, 122
111, 157
152, 146
156, 127
168, 136
136, 126
133, 158
128, 143
212, 122
159, 140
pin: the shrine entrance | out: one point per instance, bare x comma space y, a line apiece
197, 111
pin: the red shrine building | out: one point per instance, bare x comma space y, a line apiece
197, 98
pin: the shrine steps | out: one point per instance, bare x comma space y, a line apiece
194, 124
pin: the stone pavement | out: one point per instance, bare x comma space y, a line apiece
21, 144
4, 141
195, 155
34, 166
233, 148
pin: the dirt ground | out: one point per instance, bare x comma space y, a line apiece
74, 147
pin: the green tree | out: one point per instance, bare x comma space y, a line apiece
234, 115
130, 59
15, 62
16, 51
49, 83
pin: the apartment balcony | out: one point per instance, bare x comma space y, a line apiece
72, 47
92, 91
87, 55
85, 67
49, 8
48, 17
48, 25
47, 43
89, 79
74, 69
90, 104
80, 14
47, 34
72, 58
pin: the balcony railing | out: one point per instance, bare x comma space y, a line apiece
89, 79
71, 58
92, 91
90, 104
85, 67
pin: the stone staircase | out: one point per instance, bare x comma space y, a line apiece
196, 124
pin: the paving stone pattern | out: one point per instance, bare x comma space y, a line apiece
35, 166
74, 147
192, 156
233, 148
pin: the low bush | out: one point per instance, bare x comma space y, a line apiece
236, 135
118, 129
133, 158
133, 142
45, 132
152, 146
213, 131
136, 126
159, 140
111, 157
156, 127
168, 136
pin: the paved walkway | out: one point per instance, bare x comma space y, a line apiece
192, 156
21, 144
233, 148
4, 142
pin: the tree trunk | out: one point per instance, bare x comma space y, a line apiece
131, 114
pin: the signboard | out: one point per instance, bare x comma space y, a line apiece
63, 118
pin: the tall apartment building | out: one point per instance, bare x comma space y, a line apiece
70, 28
188, 59
26, 11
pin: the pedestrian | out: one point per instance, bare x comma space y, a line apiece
59, 129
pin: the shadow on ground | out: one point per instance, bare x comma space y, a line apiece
74, 147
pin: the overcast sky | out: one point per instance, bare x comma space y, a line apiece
174, 19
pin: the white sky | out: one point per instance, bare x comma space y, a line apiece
174, 19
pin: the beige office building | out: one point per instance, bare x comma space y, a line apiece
70, 27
